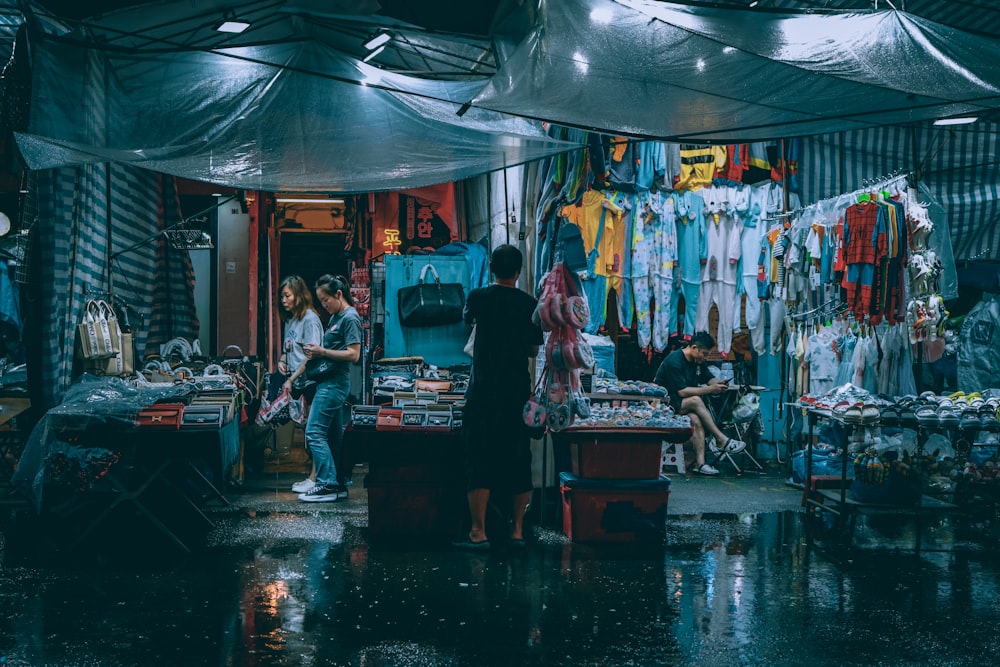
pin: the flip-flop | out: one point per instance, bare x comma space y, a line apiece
516, 543
466, 543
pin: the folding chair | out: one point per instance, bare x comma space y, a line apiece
722, 412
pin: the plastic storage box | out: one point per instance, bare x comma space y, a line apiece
616, 455
603, 510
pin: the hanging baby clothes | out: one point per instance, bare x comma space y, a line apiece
822, 360
597, 219
845, 350
651, 165
620, 280
654, 253
691, 250
747, 205
719, 272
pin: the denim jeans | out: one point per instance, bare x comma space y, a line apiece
324, 430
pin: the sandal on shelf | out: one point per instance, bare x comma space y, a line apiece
869, 413
926, 416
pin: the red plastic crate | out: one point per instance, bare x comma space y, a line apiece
615, 454
614, 510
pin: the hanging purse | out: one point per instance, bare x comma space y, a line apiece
431, 304
317, 370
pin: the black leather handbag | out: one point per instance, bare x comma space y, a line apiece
431, 304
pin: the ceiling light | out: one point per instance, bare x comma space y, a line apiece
230, 23
306, 200
963, 120
371, 56
754, 3
378, 40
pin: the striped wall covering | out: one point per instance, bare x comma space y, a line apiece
72, 237
959, 165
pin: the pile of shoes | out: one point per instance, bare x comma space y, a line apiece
856, 413
967, 412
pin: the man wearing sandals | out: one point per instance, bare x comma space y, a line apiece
684, 375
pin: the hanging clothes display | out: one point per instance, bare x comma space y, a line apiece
692, 249
723, 243
599, 221
654, 253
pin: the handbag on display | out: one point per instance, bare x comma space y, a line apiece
119, 364
98, 336
203, 416
431, 304
161, 416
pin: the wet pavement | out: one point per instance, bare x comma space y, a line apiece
278, 583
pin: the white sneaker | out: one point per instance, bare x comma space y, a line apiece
305, 486
735, 446
706, 469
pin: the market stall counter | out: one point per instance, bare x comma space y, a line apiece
414, 480
115, 449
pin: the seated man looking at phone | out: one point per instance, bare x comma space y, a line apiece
685, 376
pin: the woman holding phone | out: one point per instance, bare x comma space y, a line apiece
342, 344
302, 327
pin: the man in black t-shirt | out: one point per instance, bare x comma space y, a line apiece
684, 375
497, 446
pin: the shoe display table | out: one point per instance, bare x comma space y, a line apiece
819, 498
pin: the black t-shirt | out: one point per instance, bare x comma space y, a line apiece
505, 335
676, 373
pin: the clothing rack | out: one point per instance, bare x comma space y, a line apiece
867, 186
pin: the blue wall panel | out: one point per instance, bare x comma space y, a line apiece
440, 346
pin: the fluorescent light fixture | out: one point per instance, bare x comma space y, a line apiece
306, 200
230, 23
378, 40
963, 120
371, 56
235, 27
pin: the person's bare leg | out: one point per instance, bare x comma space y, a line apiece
478, 500
694, 405
520, 506
697, 440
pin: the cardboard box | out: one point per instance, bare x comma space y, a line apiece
614, 510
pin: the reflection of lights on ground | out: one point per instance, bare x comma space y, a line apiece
272, 594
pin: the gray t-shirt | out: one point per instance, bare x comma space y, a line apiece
307, 330
343, 330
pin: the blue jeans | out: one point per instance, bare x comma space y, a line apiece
324, 430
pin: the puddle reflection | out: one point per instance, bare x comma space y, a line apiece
726, 590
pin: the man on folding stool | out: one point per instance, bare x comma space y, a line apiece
684, 375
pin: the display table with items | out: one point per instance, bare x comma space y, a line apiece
115, 450
12, 439
413, 448
900, 455
610, 467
